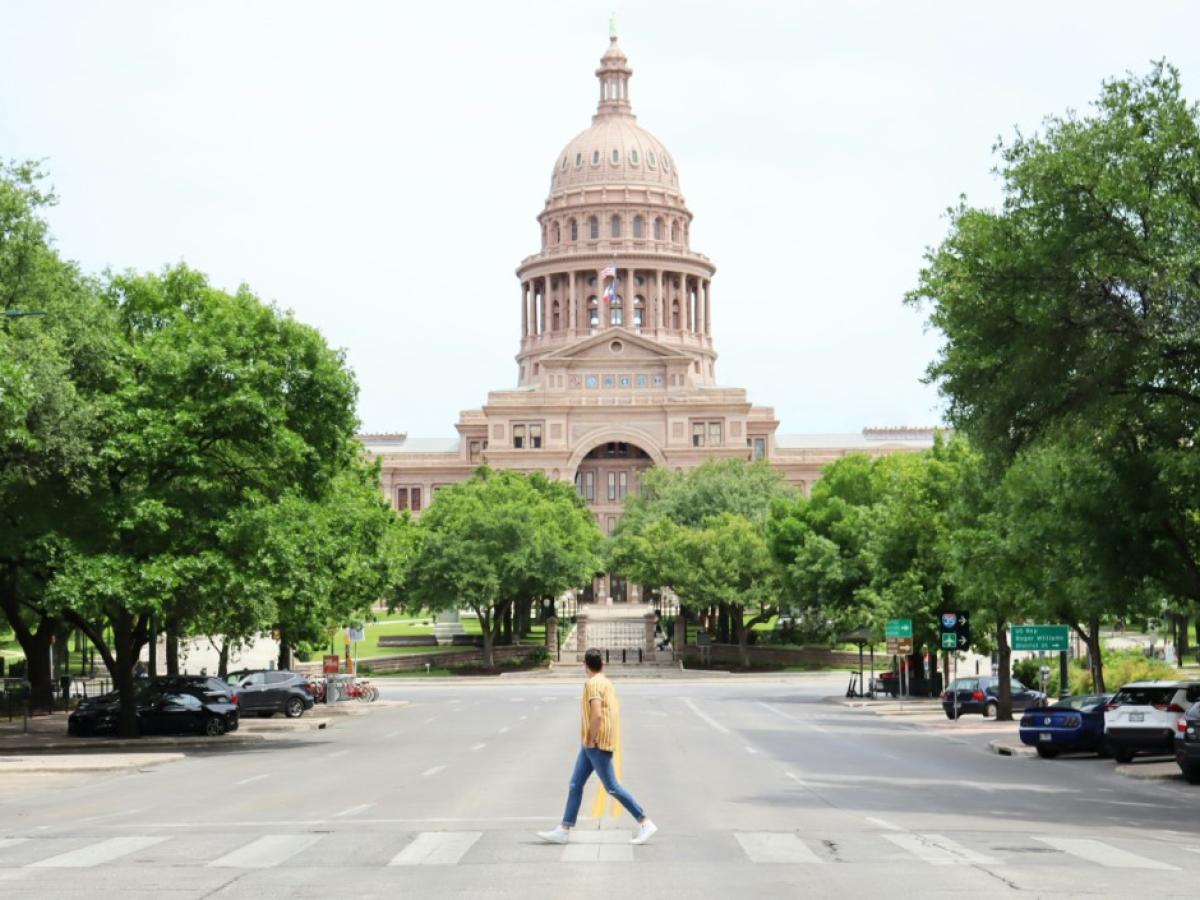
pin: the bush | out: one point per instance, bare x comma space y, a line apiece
1122, 668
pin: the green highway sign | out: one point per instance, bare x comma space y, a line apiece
949, 640
1040, 637
898, 628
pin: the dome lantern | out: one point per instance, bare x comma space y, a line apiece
613, 74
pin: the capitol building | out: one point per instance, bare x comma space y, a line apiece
617, 363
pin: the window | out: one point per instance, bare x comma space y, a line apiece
658, 229
640, 380
698, 434
611, 525
674, 232
535, 437
650, 158
714, 434
609, 381
557, 233
622, 485
579, 483
401, 498
555, 318
595, 157
675, 315
476, 451
658, 381
615, 226
760, 448
592, 381
633, 157
639, 312
408, 498
589, 487
639, 226
574, 230
593, 313
616, 155
518, 436
615, 312
578, 160
624, 381
415, 499
666, 165
279, 677
593, 231
564, 164
612, 486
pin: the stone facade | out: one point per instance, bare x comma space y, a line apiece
616, 361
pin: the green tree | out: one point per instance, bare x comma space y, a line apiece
496, 539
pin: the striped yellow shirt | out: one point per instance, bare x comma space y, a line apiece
599, 687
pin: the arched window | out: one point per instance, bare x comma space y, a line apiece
564, 164
616, 156
658, 229
675, 314
633, 157
593, 228
574, 230
639, 226
616, 314
555, 318
593, 313
674, 232
615, 226
650, 158
639, 312
595, 157
578, 160
557, 233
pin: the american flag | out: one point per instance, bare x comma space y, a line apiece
610, 271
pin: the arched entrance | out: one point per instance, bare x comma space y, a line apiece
605, 476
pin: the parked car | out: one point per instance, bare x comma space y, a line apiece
1187, 744
1072, 725
212, 687
981, 694
265, 692
160, 710
1143, 717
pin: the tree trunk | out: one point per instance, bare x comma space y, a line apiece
1091, 638
737, 617
1004, 652
172, 633
723, 624
122, 672
490, 626
223, 659
285, 650
35, 642
1181, 645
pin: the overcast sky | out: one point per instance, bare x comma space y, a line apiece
377, 167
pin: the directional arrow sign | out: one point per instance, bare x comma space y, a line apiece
898, 628
955, 627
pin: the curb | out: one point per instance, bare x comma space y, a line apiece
1151, 772
1004, 748
34, 766
167, 745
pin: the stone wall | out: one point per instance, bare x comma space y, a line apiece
416, 661
780, 656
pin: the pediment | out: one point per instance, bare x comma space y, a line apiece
600, 348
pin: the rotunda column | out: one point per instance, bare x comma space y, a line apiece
701, 308
572, 303
524, 312
708, 309
658, 299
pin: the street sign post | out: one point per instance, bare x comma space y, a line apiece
1040, 637
899, 634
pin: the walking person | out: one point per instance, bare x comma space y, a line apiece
599, 730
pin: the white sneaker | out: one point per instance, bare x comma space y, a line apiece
645, 832
559, 835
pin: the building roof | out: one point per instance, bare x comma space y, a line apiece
402, 443
867, 439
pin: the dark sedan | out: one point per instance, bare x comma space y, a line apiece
265, 692
159, 711
981, 694
1187, 744
1072, 725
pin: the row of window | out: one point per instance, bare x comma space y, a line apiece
614, 156
617, 485
658, 229
707, 434
534, 432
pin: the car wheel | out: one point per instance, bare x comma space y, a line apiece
1191, 774
215, 726
1122, 755
1047, 752
991, 710
950, 714
294, 708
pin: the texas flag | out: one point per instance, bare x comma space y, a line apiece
610, 271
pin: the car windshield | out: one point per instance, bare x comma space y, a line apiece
1084, 702
964, 684
1143, 696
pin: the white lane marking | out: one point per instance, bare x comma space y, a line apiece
516, 699
94, 854
432, 771
1103, 854
436, 848
779, 712
598, 852
775, 847
603, 836
479, 746
523, 718
392, 734
504, 729
939, 850
352, 810
11, 842
336, 753
883, 823
267, 852
750, 749
124, 812
704, 716
536, 708
796, 778
252, 779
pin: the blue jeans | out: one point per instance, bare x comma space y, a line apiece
592, 759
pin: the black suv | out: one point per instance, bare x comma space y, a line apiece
210, 686
265, 692
981, 694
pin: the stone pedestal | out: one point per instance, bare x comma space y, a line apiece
649, 625
552, 637
447, 625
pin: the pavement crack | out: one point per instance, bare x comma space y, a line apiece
221, 887
833, 850
1004, 881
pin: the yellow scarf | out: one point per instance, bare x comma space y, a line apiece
614, 808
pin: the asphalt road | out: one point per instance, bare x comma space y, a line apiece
759, 788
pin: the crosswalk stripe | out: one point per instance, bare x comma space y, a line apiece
775, 847
268, 851
598, 852
938, 850
94, 854
11, 842
436, 848
1103, 854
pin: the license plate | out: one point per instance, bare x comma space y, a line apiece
1137, 717
1045, 736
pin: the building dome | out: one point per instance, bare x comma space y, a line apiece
615, 150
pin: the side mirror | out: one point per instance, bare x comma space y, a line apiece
246, 683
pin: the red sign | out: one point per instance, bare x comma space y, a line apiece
331, 664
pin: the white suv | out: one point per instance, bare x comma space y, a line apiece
1142, 716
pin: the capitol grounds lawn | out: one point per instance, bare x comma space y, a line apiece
423, 625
